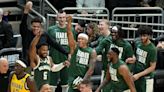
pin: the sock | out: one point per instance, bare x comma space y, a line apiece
64, 88
53, 88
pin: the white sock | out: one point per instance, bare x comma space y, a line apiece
53, 88
64, 88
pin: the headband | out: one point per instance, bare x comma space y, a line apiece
83, 35
21, 63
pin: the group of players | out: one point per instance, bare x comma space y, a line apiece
124, 69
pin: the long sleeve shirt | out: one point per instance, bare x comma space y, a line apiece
27, 37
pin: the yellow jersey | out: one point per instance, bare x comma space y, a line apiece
19, 85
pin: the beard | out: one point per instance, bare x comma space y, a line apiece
43, 55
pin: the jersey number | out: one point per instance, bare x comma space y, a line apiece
45, 74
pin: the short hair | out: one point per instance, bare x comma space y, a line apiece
36, 20
114, 49
87, 82
81, 23
106, 21
61, 11
41, 44
145, 30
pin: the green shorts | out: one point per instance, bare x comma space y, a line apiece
140, 85
60, 77
107, 88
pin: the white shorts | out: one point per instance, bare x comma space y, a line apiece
149, 85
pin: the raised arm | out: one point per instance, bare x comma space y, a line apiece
32, 51
71, 40
23, 25
123, 70
92, 62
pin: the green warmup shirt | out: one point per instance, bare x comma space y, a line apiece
79, 63
103, 48
145, 55
125, 49
118, 83
60, 35
42, 72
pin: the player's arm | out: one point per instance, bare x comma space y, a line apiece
23, 24
105, 81
10, 78
131, 60
58, 67
71, 41
146, 71
54, 44
123, 70
100, 47
31, 85
32, 51
92, 62
151, 68
130, 54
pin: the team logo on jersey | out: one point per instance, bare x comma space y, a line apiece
113, 74
141, 55
61, 38
82, 57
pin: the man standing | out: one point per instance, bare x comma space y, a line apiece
4, 74
19, 80
28, 34
42, 63
58, 32
125, 48
118, 74
6, 32
146, 54
82, 58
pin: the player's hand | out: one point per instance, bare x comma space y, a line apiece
69, 18
130, 60
66, 63
28, 7
135, 77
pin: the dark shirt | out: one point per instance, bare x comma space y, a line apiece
6, 35
27, 37
4, 81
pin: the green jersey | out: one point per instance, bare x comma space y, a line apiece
117, 81
42, 72
103, 48
145, 54
79, 63
60, 35
125, 49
